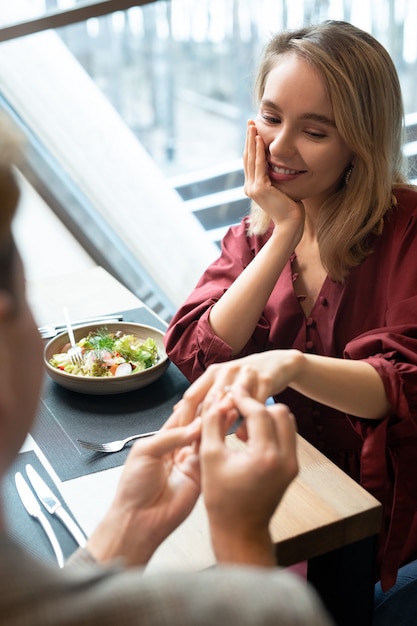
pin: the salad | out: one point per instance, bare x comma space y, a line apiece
109, 354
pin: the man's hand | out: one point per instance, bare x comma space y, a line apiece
158, 489
242, 488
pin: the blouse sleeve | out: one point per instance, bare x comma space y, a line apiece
393, 353
189, 341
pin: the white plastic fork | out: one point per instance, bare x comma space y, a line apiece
112, 446
75, 353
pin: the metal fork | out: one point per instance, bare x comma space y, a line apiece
75, 353
48, 331
113, 446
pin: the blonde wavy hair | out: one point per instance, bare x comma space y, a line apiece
365, 94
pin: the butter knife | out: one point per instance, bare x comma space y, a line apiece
33, 507
53, 505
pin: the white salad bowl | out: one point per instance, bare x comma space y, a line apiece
113, 384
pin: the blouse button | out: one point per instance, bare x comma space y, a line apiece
310, 323
309, 345
319, 428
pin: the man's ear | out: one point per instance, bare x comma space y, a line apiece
6, 305
6, 387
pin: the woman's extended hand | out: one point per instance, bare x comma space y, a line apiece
158, 489
264, 374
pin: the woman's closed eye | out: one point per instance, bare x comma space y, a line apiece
270, 119
273, 119
315, 134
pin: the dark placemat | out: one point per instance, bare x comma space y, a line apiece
65, 416
25, 529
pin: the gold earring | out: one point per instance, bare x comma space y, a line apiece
348, 175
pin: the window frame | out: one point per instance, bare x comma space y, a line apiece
160, 269
56, 19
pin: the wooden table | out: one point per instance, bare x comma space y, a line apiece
325, 517
328, 519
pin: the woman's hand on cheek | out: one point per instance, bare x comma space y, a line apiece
259, 187
257, 182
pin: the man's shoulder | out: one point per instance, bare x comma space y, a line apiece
35, 594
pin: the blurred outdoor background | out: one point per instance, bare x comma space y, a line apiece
179, 76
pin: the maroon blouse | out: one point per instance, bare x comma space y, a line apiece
372, 317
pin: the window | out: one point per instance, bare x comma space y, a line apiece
134, 102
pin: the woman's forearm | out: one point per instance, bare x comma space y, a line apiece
234, 317
353, 387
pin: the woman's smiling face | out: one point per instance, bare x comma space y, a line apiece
306, 157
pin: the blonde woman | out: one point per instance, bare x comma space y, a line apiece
319, 284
